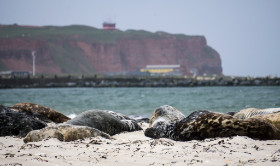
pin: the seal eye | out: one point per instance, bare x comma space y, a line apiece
228, 122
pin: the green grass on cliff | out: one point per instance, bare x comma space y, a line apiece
52, 32
79, 31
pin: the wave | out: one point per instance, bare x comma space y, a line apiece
72, 116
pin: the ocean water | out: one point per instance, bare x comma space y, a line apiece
143, 101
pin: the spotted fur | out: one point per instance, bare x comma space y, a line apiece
64, 132
51, 114
211, 125
205, 124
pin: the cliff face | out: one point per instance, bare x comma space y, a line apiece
78, 49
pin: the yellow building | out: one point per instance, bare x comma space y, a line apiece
161, 69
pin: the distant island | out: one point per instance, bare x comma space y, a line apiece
78, 49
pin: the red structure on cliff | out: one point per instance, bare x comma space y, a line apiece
109, 26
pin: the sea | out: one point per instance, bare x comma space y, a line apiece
141, 102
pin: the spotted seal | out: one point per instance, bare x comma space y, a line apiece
107, 121
31, 108
206, 124
64, 132
211, 125
250, 112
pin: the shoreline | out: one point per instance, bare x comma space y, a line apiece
134, 148
134, 81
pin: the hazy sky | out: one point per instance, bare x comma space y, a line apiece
246, 33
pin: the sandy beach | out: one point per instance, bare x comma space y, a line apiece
134, 148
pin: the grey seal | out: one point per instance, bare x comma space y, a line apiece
165, 114
205, 124
46, 112
162, 120
250, 112
211, 125
17, 123
273, 118
64, 132
107, 121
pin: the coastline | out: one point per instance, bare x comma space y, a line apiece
134, 148
134, 81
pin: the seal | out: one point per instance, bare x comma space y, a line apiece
106, 121
162, 121
250, 112
205, 124
273, 118
211, 125
17, 123
49, 113
165, 114
64, 132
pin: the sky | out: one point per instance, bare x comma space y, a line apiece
246, 33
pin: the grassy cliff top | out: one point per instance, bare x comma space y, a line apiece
51, 32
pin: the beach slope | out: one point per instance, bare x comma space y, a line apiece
134, 148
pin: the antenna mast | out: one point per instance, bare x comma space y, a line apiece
33, 56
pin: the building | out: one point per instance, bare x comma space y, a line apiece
11, 74
109, 26
162, 69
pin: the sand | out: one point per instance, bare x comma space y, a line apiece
133, 148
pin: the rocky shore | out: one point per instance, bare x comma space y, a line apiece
70, 81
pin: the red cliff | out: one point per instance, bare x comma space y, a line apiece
79, 49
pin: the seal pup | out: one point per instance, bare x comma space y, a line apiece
64, 132
211, 125
250, 112
106, 121
49, 113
